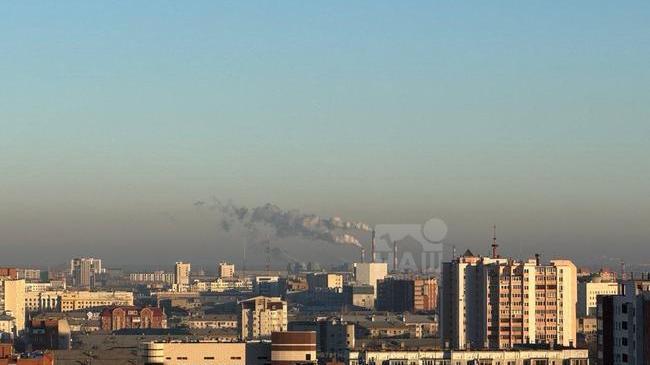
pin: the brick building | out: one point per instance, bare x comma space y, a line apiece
117, 318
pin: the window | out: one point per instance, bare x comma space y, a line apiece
308, 357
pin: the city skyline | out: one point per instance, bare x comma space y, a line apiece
115, 121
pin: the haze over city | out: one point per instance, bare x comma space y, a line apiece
116, 121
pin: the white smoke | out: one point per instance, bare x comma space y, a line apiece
288, 223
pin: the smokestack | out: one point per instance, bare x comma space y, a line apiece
363, 255
372, 249
537, 259
395, 256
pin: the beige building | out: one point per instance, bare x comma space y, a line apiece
369, 273
83, 271
75, 300
205, 353
182, 276
498, 303
12, 301
226, 270
43, 300
258, 317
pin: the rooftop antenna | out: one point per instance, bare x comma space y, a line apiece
494, 242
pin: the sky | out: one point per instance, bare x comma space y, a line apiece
116, 117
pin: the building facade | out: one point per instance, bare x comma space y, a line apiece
588, 292
498, 303
12, 301
75, 300
258, 317
83, 271
226, 270
182, 276
117, 318
407, 294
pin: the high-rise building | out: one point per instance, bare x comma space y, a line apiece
226, 270
624, 325
182, 276
498, 303
12, 301
369, 273
258, 317
84, 270
407, 294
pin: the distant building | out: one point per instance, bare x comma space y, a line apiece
407, 294
12, 301
42, 301
205, 352
211, 321
325, 281
117, 318
226, 270
8, 273
369, 273
83, 271
258, 317
355, 295
75, 300
50, 334
499, 303
589, 290
624, 325
182, 276
29, 274
152, 277
270, 286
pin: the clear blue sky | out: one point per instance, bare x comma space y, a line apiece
116, 116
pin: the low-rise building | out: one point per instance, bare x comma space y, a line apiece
205, 353
356, 295
117, 318
75, 300
212, 321
324, 281
468, 357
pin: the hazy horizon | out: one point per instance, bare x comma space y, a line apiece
116, 120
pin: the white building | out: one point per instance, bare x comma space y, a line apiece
498, 303
588, 293
43, 301
370, 272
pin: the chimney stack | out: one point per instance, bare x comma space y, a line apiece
372, 248
395, 256
537, 259
363, 255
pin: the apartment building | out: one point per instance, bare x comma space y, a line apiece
84, 270
623, 326
152, 277
258, 317
182, 276
497, 303
369, 273
226, 270
407, 294
12, 301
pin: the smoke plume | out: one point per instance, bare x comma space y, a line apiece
287, 223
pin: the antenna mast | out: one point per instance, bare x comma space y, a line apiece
494, 242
